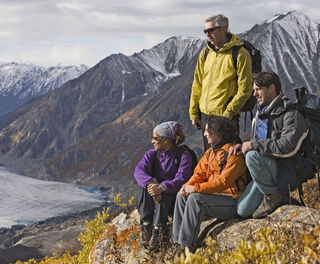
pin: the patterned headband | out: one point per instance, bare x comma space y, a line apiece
168, 129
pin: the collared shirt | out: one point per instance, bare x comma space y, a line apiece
261, 123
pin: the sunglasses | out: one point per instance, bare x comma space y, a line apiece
211, 30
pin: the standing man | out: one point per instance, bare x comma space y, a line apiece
218, 87
272, 155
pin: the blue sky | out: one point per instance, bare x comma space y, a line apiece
74, 32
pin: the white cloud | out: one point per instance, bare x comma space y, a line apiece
81, 31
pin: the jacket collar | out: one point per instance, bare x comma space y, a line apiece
278, 105
216, 147
232, 40
170, 151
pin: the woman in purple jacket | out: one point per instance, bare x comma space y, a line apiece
160, 178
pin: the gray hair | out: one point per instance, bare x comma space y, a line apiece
219, 20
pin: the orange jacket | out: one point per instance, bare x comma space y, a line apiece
208, 180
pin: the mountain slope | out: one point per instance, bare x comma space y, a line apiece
44, 127
112, 151
21, 82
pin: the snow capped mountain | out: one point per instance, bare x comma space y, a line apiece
22, 82
290, 46
170, 56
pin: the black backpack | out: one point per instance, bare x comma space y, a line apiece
245, 181
309, 106
256, 67
177, 158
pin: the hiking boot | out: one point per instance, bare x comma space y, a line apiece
178, 249
156, 240
270, 203
146, 232
293, 201
167, 235
174, 251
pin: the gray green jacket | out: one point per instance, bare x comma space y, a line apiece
287, 129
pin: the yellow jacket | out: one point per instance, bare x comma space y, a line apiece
207, 178
216, 80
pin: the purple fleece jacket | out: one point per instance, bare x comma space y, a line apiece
168, 173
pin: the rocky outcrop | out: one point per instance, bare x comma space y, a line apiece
109, 249
227, 233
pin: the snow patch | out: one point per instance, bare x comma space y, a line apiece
270, 20
123, 96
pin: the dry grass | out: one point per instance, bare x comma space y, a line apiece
310, 193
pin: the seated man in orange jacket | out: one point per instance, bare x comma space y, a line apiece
213, 190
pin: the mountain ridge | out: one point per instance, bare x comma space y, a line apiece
290, 46
21, 82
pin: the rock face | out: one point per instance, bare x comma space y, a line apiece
227, 233
289, 217
106, 249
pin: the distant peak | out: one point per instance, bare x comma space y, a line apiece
293, 13
270, 20
185, 37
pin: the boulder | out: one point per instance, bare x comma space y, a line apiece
119, 242
227, 233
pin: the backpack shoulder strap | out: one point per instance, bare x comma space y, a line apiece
178, 155
224, 162
155, 165
206, 53
235, 52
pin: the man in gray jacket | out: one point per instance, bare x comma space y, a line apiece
272, 155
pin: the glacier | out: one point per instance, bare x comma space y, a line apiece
24, 200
